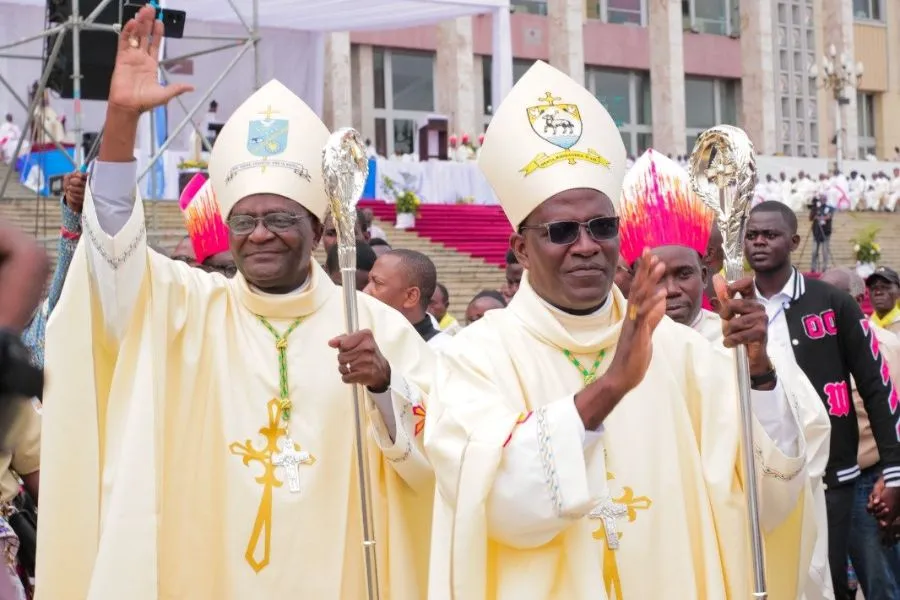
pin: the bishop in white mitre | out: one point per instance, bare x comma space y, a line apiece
199, 431
580, 453
660, 211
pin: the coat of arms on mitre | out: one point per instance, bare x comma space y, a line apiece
560, 124
267, 138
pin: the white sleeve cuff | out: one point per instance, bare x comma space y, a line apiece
112, 190
385, 403
773, 412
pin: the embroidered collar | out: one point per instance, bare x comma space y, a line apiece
888, 319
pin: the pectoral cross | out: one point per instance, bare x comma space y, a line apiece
608, 512
269, 458
289, 459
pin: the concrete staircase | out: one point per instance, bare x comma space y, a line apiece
847, 226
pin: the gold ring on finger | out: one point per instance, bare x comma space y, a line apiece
133, 42
632, 312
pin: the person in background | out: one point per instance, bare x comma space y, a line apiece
367, 223
821, 215
207, 233
660, 211
9, 138
513, 276
379, 246
877, 566
624, 276
23, 270
884, 293
365, 260
714, 261
439, 306
69, 235
831, 340
329, 236
482, 302
405, 280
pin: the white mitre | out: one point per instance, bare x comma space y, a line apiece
272, 144
550, 135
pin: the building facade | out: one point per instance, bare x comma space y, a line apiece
665, 69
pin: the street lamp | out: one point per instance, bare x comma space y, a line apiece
838, 74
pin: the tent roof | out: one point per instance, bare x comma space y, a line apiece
328, 15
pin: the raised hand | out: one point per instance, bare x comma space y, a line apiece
646, 308
135, 86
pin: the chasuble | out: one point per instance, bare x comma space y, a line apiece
810, 577
167, 471
529, 506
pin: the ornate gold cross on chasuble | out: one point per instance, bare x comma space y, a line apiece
608, 511
287, 455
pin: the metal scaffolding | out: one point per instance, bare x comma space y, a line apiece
76, 24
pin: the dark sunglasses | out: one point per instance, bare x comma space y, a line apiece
566, 232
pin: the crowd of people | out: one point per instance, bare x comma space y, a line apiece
578, 436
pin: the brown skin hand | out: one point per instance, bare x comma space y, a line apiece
276, 263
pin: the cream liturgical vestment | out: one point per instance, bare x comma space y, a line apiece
166, 467
814, 578
530, 506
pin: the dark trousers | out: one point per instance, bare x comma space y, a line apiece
839, 505
876, 566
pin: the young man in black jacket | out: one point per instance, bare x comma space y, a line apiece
831, 340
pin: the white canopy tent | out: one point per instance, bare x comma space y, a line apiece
291, 34
290, 47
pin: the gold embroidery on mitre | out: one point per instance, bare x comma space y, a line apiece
558, 123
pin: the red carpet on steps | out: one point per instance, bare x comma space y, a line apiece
480, 231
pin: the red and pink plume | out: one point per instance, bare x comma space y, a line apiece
659, 208
203, 219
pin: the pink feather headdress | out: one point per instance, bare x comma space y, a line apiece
659, 208
203, 219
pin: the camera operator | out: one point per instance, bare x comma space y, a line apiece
23, 273
820, 216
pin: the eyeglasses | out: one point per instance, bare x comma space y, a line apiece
566, 232
276, 222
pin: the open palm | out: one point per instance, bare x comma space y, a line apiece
135, 85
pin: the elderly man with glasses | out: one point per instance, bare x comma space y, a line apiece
212, 417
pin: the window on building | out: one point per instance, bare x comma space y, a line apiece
868, 10
520, 66
622, 12
404, 95
719, 17
865, 123
709, 102
626, 95
534, 7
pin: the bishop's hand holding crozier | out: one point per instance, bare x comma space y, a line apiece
213, 421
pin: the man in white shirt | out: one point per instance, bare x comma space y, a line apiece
894, 194
9, 138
